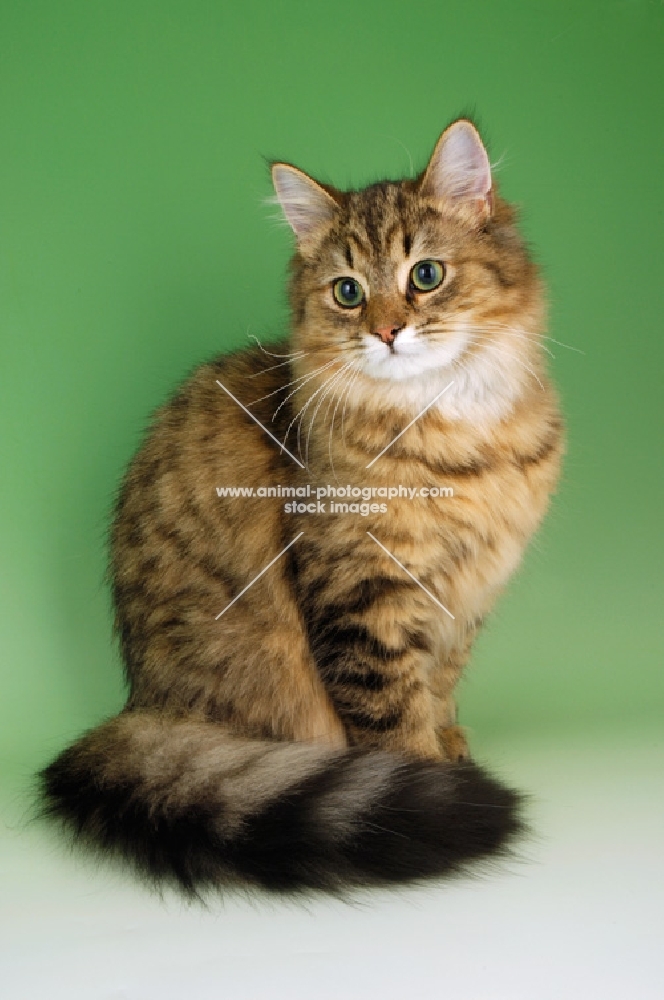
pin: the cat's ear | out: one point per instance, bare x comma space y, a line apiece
459, 170
306, 205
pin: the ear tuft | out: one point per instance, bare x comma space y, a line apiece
306, 205
459, 169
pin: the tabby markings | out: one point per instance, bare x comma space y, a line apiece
256, 420
413, 578
264, 570
420, 414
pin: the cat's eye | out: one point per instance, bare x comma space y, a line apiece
348, 292
427, 275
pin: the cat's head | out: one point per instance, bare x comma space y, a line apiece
415, 281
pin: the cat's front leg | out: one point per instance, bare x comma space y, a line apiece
447, 669
375, 671
379, 690
451, 736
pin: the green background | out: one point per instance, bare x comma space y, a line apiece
135, 243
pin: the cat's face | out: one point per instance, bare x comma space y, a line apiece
414, 279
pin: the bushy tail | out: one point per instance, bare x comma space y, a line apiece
187, 802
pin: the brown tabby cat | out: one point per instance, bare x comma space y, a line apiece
291, 665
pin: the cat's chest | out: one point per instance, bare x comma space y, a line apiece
462, 536
454, 511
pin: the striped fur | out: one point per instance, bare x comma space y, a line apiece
308, 737
278, 816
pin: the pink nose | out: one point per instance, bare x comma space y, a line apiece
387, 333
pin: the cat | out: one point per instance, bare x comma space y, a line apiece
291, 722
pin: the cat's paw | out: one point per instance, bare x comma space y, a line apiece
454, 744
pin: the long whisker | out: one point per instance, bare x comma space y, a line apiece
251, 336
496, 325
569, 347
343, 412
491, 328
304, 410
511, 332
272, 367
463, 326
297, 388
331, 382
479, 334
532, 333
290, 357
348, 382
305, 404
300, 378
491, 346
330, 386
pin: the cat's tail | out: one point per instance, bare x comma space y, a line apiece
186, 802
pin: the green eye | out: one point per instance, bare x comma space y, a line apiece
427, 275
348, 292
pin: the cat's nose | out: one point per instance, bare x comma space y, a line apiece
387, 333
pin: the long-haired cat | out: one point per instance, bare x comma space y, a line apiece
291, 661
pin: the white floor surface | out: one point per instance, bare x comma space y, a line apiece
580, 915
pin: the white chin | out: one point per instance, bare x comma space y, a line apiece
482, 389
411, 356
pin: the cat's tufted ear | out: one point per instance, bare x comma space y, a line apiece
306, 205
459, 170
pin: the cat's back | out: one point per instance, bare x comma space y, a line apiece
206, 433
177, 527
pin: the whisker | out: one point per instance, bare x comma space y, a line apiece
300, 378
297, 388
511, 332
252, 336
495, 324
539, 336
306, 404
522, 335
304, 410
505, 327
272, 367
491, 346
330, 383
569, 347
349, 382
343, 412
